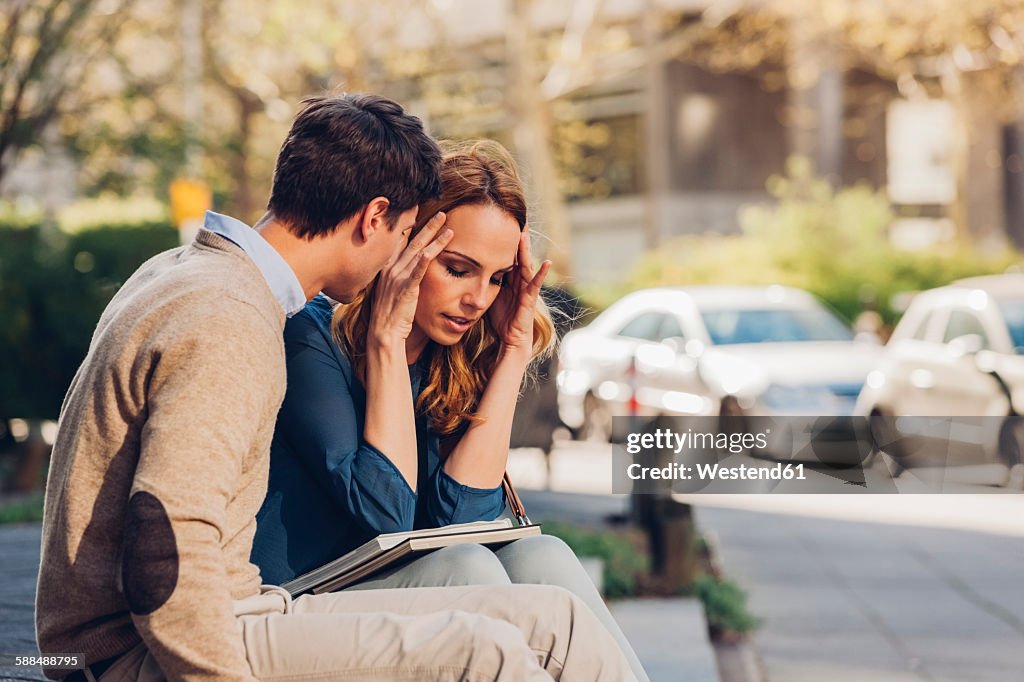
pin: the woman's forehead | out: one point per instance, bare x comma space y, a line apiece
486, 234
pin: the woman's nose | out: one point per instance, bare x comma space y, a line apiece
476, 296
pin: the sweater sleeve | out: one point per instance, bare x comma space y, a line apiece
321, 422
205, 399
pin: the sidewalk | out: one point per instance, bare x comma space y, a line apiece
19, 563
669, 635
863, 591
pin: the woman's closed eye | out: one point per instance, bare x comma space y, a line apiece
497, 280
456, 273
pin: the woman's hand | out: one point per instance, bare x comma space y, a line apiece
512, 313
398, 287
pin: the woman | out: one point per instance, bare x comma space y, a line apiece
354, 457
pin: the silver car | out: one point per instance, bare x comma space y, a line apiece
957, 352
710, 351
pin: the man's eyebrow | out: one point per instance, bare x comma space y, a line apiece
473, 260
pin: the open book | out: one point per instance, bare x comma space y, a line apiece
387, 549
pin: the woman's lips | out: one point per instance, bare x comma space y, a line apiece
458, 325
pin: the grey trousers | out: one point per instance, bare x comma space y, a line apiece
504, 633
543, 559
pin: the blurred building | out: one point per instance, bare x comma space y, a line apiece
660, 117
687, 144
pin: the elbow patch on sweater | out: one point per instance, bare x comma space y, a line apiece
150, 561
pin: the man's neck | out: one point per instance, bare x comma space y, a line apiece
294, 250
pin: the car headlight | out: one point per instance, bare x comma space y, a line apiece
572, 381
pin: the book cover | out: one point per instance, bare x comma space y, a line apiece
387, 549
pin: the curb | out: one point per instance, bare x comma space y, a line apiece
737, 661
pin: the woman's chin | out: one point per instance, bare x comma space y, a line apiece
445, 337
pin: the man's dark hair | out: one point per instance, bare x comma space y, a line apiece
345, 150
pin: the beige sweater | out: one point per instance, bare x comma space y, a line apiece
160, 465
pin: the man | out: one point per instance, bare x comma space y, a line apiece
161, 455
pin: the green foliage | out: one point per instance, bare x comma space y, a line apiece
623, 564
29, 510
725, 605
53, 288
832, 243
112, 211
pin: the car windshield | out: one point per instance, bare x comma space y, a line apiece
1013, 313
773, 325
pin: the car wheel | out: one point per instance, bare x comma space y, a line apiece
1011, 450
597, 420
882, 430
870, 460
732, 419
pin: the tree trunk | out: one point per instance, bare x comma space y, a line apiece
979, 210
815, 100
532, 134
243, 202
1013, 174
657, 156
33, 452
671, 536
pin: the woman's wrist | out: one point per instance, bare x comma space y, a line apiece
384, 345
518, 355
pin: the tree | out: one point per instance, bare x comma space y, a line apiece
46, 47
259, 59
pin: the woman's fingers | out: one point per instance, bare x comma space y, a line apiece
524, 257
395, 301
428, 254
423, 238
391, 262
542, 273
528, 296
534, 285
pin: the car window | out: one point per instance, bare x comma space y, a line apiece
921, 333
962, 323
644, 326
774, 324
1013, 314
670, 329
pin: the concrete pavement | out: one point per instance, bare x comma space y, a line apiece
892, 588
19, 564
855, 588
853, 601
669, 635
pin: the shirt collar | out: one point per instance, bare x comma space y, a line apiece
279, 275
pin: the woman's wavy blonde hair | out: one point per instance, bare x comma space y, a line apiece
473, 173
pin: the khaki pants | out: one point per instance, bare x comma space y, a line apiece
541, 560
493, 632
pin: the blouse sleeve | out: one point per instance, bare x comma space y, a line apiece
449, 501
321, 421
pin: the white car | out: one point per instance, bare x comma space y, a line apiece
958, 352
710, 351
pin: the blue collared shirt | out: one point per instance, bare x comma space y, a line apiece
279, 275
329, 490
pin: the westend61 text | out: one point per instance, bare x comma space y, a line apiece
717, 472
666, 439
